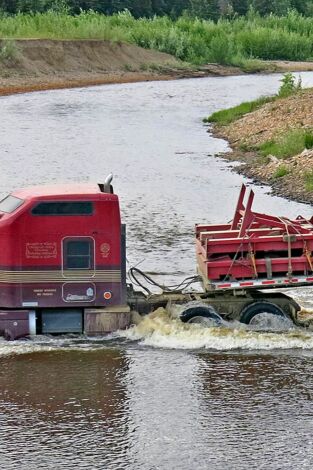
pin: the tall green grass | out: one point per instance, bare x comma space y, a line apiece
226, 116
308, 179
234, 42
288, 144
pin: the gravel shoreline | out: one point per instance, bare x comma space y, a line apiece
270, 122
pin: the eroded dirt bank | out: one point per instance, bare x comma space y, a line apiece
41, 64
278, 121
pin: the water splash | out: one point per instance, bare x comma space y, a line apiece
160, 330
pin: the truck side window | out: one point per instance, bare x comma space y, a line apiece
78, 254
63, 208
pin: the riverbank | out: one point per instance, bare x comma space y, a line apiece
42, 64
274, 143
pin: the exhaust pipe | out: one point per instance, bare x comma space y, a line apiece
107, 187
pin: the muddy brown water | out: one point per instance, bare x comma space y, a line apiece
162, 395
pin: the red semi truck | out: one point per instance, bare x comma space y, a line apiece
63, 264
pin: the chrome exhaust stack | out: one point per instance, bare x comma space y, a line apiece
107, 187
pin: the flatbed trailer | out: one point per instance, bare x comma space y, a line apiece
63, 265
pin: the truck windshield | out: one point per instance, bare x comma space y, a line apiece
10, 204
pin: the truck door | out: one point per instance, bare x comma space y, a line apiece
78, 269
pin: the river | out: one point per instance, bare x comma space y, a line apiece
162, 395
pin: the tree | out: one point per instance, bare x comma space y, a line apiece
177, 7
33, 5
240, 6
225, 7
300, 5
137, 8
309, 8
281, 7
9, 6
159, 7
264, 7
141, 8
77, 5
208, 9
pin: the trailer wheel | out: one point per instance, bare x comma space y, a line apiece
201, 314
257, 308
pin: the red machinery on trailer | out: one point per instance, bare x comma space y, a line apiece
255, 250
63, 263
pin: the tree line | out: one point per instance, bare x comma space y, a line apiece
208, 9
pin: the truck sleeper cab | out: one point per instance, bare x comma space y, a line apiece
62, 260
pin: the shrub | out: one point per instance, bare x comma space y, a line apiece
289, 85
8, 51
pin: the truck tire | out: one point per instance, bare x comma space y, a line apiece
193, 314
251, 310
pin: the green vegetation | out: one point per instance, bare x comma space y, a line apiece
8, 51
281, 171
241, 41
289, 144
208, 9
289, 85
308, 179
226, 116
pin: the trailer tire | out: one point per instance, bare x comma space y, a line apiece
201, 311
251, 310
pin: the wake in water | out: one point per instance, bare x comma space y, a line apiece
160, 329
163, 329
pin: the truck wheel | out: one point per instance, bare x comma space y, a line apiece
205, 315
257, 308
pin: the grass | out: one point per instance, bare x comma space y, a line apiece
308, 179
288, 144
281, 171
226, 116
288, 87
242, 41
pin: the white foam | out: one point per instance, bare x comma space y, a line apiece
43, 343
21, 347
159, 330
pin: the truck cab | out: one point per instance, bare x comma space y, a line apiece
62, 251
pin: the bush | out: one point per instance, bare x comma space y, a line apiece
289, 85
8, 51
